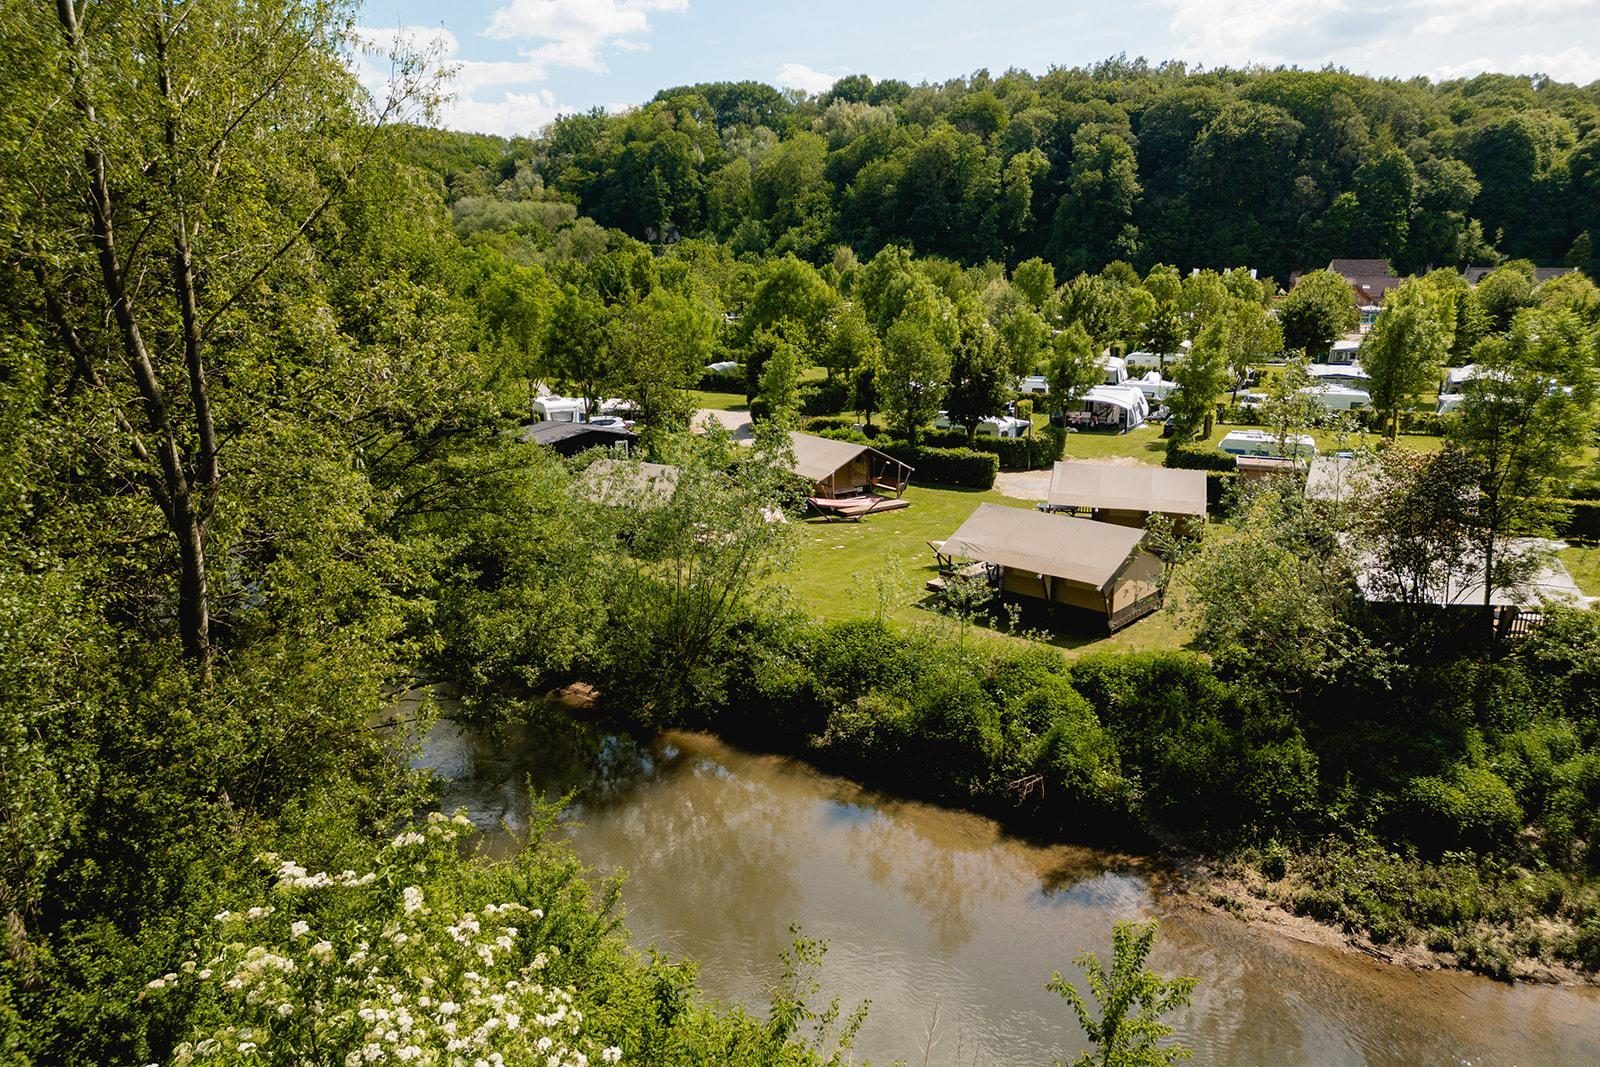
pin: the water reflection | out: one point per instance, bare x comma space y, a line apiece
950, 926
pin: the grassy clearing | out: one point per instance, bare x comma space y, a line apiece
719, 401
849, 570
1584, 563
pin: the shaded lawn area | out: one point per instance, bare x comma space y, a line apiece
844, 570
1583, 561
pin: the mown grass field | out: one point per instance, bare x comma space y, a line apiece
848, 570
1583, 561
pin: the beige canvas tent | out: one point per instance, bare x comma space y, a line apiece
1127, 494
619, 483
842, 468
1338, 479
1096, 566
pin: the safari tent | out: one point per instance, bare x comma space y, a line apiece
618, 483
1127, 494
1093, 566
846, 469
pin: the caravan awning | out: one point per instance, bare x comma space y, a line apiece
1035, 542
1127, 487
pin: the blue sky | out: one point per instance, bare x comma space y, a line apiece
521, 62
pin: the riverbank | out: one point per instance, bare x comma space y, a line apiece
1233, 882
950, 923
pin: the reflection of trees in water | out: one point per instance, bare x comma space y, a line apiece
706, 848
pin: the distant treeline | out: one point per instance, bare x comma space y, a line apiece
1279, 170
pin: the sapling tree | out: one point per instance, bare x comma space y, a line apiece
1125, 1025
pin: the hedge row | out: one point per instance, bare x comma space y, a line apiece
1195, 457
963, 467
1582, 521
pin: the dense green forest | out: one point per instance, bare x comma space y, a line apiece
264, 347
1278, 170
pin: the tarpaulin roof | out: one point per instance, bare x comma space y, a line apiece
1127, 487
1034, 542
817, 457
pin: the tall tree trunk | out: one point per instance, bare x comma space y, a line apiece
177, 502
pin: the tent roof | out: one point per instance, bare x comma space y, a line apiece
1335, 478
1076, 550
1550, 581
1127, 487
817, 457
1116, 396
620, 482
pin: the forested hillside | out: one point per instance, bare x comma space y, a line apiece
1279, 170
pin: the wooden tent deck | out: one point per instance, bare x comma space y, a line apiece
853, 508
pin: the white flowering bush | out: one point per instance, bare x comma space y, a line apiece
394, 965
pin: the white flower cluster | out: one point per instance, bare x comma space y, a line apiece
376, 979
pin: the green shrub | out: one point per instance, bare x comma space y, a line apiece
827, 397
1472, 807
963, 467
1191, 456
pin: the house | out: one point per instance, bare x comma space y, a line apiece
1095, 567
838, 469
570, 438
1127, 494
1369, 279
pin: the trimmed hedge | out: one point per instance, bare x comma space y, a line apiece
963, 467
1016, 453
1189, 456
1582, 521
824, 398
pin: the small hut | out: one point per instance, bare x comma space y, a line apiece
838, 469
1098, 567
1128, 494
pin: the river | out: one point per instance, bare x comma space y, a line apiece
952, 927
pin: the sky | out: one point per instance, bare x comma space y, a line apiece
519, 63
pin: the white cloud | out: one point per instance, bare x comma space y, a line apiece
800, 76
1577, 64
514, 112
1397, 37
576, 33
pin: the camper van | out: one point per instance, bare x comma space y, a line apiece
1262, 443
1034, 385
1116, 370
1155, 387
1338, 397
560, 408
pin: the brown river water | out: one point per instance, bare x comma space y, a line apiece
952, 927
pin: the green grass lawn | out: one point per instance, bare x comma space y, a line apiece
719, 401
847, 570
1583, 561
